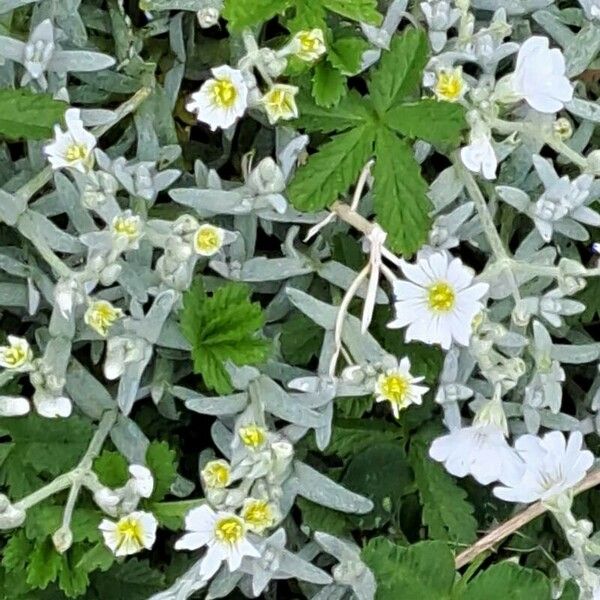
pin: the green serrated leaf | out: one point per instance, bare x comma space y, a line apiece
345, 54
222, 327
352, 436
172, 514
162, 461
27, 115
423, 571
329, 85
111, 469
399, 71
331, 171
44, 565
364, 11
352, 111
446, 511
505, 581
401, 201
430, 120
300, 340
16, 552
245, 13
368, 474
308, 14
131, 580
321, 518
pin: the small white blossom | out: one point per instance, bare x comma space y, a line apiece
308, 45
142, 480
130, 534
280, 103
101, 315
479, 156
552, 466
17, 355
439, 300
539, 76
258, 514
398, 387
73, 147
223, 533
450, 85
222, 100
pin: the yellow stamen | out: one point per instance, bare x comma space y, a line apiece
441, 297
129, 529
208, 239
216, 474
252, 436
223, 93
449, 85
126, 226
76, 152
230, 530
258, 514
394, 387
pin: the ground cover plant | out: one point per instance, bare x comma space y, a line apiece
299, 299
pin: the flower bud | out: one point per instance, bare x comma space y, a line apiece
62, 539
207, 17
563, 128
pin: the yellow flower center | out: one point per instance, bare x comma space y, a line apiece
394, 388
229, 530
223, 93
216, 474
441, 297
449, 85
76, 152
258, 514
128, 529
252, 436
208, 239
308, 42
15, 356
101, 316
126, 226
280, 101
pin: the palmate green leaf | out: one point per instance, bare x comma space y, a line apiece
351, 436
222, 327
430, 120
446, 511
131, 580
301, 339
508, 581
44, 565
401, 201
30, 116
321, 518
245, 13
352, 111
111, 469
329, 85
368, 474
364, 11
423, 571
399, 71
162, 461
36, 452
345, 54
331, 171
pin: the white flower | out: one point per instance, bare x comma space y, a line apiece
13, 406
539, 76
252, 436
552, 466
258, 514
479, 156
216, 474
280, 103
223, 533
128, 228
208, 240
480, 451
129, 534
17, 355
101, 315
73, 147
142, 481
450, 85
398, 387
222, 100
308, 45
439, 301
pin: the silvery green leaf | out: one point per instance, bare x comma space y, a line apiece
445, 188
193, 5
70, 196
278, 402
185, 585
220, 405
512, 7
33, 297
63, 61
575, 354
210, 202
13, 294
11, 207
515, 197
582, 50
151, 326
241, 377
87, 392
291, 565
97, 116
221, 585
572, 229
8, 5
561, 34
273, 269
35, 226
10, 48
343, 276
222, 438
545, 171
129, 440
313, 486
558, 421
584, 109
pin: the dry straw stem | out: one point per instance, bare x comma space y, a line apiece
509, 527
